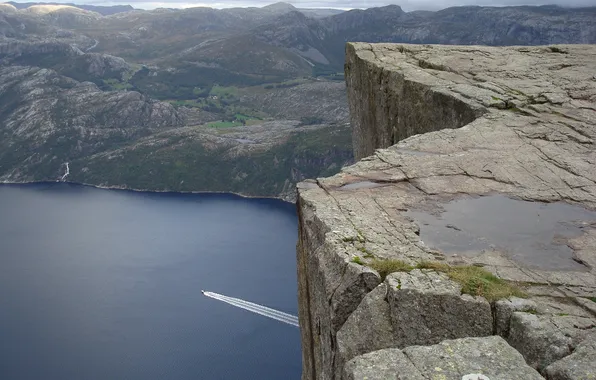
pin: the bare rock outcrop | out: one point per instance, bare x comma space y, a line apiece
451, 138
578, 365
448, 360
367, 329
427, 308
65, 58
13, 50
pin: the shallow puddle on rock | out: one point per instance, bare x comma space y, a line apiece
531, 233
361, 185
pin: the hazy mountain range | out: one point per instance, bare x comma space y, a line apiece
105, 10
244, 99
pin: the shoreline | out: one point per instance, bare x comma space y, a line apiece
123, 188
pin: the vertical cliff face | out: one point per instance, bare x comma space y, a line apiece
388, 105
328, 289
477, 130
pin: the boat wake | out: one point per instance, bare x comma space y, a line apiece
255, 308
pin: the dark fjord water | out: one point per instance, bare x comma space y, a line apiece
103, 284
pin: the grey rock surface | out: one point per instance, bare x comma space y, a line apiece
452, 359
434, 124
504, 99
367, 329
577, 366
504, 310
388, 364
587, 304
427, 308
543, 340
543, 329
448, 360
334, 287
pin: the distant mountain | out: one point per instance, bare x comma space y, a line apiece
280, 7
459, 26
280, 32
320, 12
105, 10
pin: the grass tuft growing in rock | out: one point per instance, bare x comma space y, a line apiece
386, 267
474, 280
477, 281
439, 267
357, 260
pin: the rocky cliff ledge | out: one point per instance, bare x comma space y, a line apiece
477, 167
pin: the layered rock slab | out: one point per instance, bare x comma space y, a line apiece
577, 366
427, 308
449, 360
465, 122
367, 329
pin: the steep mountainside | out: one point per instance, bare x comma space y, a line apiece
48, 119
263, 160
124, 139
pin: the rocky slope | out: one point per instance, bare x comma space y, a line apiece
48, 119
126, 140
463, 241
261, 160
312, 102
64, 58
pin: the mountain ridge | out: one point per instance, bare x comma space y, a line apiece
104, 10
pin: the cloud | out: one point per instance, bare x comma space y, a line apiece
407, 5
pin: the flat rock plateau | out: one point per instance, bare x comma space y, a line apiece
469, 157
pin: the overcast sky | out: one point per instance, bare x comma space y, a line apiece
407, 5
